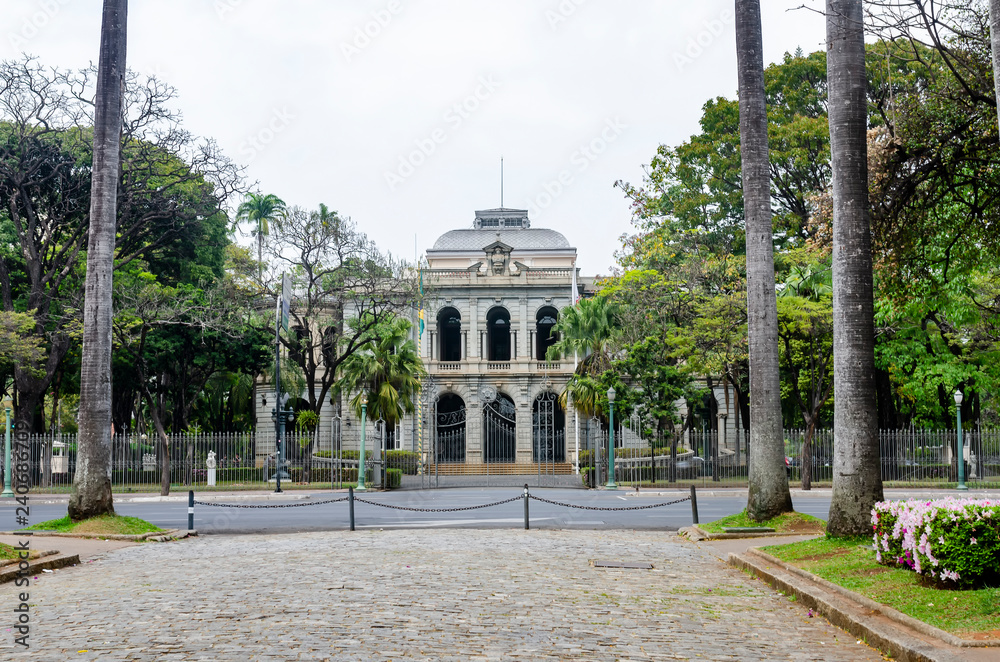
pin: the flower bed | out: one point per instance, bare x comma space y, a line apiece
953, 542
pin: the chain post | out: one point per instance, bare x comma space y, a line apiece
190, 510
694, 506
350, 504
526, 519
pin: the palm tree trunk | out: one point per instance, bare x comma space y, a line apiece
857, 481
995, 39
92, 487
768, 493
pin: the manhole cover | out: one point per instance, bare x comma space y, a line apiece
631, 565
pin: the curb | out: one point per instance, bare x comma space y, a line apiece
53, 562
907, 639
152, 536
697, 534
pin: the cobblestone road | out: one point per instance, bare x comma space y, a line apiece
417, 595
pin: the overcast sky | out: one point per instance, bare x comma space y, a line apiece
396, 112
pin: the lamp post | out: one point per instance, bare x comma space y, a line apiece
7, 466
611, 485
361, 458
961, 443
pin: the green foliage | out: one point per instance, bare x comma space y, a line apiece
393, 479
385, 369
306, 421
405, 461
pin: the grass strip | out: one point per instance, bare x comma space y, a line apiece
104, 524
850, 563
785, 523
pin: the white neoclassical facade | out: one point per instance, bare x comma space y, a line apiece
492, 293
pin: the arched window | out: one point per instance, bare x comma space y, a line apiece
498, 334
450, 335
545, 319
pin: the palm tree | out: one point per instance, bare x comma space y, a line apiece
857, 480
92, 485
995, 40
768, 494
586, 329
260, 210
387, 369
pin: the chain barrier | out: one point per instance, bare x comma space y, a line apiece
571, 505
439, 510
280, 505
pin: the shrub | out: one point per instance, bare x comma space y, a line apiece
393, 478
955, 542
405, 461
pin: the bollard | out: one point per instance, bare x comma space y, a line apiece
694, 506
350, 504
190, 510
526, 527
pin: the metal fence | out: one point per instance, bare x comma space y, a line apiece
909, 458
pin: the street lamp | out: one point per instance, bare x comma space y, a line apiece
361, 459
8, 462
611, 485
961, 443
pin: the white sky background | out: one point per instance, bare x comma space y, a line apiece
329, 122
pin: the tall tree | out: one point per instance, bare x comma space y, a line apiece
261, 210
768, 493
857, 479
995, 43
337, 273
92, 486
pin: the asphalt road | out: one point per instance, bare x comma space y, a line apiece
335, 516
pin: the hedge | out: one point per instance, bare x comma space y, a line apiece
955, 542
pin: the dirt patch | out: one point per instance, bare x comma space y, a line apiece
990, 635
802, 528
825, 555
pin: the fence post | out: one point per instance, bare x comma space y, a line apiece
350, 504
190, 510
694, 506
526, 520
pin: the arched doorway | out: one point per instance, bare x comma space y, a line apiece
499, 430
449, 429
548, 429
498, 334
450, 335
545, 319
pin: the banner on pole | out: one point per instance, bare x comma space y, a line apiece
286, 298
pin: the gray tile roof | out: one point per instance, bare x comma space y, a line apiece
518, 239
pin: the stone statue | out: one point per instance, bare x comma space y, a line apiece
210, 462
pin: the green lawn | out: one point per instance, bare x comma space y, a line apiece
851, 563
790, 523
9, 553
105, 524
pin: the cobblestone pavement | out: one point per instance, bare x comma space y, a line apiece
417, 595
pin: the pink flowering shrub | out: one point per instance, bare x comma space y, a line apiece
953, 542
